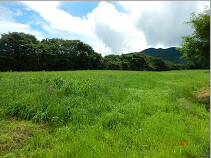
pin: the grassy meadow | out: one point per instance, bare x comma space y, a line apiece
104, 114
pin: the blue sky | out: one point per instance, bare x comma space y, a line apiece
110, 27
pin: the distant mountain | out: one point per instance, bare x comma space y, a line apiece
169, 54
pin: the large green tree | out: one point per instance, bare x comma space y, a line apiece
22, 52
17, 51
197, 46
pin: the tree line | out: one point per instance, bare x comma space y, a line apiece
23, 52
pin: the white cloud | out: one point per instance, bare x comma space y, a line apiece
146, 24
116, 30
162, 22
105, 13
112, 28
58, 19
8, 24
19, 12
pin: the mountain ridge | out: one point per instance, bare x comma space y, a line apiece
168, 54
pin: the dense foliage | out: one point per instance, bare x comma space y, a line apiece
23, 52
136, 61
197, 46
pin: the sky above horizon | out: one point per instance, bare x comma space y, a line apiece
110, 27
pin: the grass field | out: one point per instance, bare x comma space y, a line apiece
105, 114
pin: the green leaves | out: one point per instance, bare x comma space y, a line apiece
23, 52
197, 46
17, 51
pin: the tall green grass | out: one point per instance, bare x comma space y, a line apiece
109, 113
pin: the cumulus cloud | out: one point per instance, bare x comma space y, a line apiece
109, 31
115, 30
57, 18
115, 40
161, 22
8, 23
104, 20
163, 26
61, 24
110, 27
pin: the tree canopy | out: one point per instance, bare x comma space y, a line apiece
23, 52
197, 46
17, 50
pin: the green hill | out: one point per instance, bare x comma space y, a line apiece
169, 54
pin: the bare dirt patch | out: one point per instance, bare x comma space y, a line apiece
204, 95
